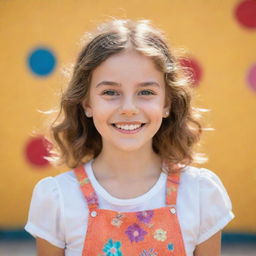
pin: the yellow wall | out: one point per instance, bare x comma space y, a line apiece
208, 29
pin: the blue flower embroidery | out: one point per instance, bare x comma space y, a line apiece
170, 247
112, 248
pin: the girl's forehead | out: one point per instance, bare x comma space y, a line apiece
128, 57
127, 65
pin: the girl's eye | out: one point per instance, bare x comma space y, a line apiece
147, 92
109, 93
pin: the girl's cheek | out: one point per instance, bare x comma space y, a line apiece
152, 105
105, 107
100, 100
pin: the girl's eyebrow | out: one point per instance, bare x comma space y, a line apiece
143, 84
107, 83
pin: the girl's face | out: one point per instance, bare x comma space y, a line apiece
127, 101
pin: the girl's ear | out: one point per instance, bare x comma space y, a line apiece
166, 112
166, 109
168, 101
87, 108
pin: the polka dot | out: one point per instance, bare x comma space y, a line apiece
245, 13
251, 77
41, 61
36, 150
193, 69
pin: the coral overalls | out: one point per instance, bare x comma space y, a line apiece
153, 232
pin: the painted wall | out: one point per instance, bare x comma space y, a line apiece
39, 38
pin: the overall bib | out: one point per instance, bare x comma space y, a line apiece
153, 232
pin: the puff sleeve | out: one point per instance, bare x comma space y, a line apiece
45, 218
215, 205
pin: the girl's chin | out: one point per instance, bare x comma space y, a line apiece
129, 147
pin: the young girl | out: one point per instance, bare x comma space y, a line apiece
128, 133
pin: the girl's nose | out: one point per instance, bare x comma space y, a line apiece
128, 108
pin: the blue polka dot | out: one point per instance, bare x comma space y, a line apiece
41, 61
170, 247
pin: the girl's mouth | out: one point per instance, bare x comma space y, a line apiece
128, 128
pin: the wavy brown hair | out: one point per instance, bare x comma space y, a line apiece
74, 136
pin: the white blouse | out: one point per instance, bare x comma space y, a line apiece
58, 211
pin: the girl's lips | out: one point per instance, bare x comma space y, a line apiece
128, 123
128, 131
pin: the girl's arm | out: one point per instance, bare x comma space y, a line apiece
44, 248
210, 247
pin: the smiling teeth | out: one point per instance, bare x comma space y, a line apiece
128, 127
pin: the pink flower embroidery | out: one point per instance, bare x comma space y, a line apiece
92, 199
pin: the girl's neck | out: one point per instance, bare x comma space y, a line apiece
123, 166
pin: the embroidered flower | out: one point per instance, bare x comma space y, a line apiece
160, 235
84, 181
170, 190
170, 247
112, 248
135, 233
145, 216
150, 252
92, 199
116, 222
150, 225
120, 215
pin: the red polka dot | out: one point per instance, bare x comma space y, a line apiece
245, 13
36, 150
194, 69
251, 77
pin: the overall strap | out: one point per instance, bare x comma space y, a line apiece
173, 181
86, 187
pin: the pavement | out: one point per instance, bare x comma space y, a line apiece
28, 248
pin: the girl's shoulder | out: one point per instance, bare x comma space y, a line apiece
47, 196
53, 182
51, 194
204, 193
205, 182
197, 172
201, 176
52, 189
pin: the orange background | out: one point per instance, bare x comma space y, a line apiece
208, 30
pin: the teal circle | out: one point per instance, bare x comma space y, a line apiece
41, 61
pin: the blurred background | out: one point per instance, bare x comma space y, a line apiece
40, 39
